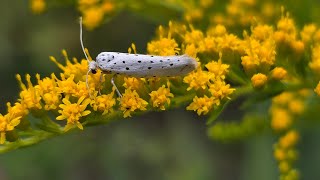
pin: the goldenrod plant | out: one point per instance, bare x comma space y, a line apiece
252, 50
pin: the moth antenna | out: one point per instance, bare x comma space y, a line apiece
81, 41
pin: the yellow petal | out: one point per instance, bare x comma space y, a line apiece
84, 113
79, 125
61, 117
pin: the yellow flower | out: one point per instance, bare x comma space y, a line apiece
132, 82
29, 97
283, 98
218, 68
219, 89
278, 73
74, 68
202, 105
296, 106
7, 123
308, 32
315, 61
317, 89
284, 167
37, 6
289, 139
279, 154
163, 47
92, 17
131, 102
51, 100
67, 86
198, 79
72, 112
262, 32
104, 103
259, 80
18, 109
280, 119
47, 84
160, 97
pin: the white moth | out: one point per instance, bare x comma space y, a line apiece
139, 65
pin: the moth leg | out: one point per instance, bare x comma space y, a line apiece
100, 81
114, 85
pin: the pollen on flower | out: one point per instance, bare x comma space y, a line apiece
131, 102
72, 112
259, 80
203, 104
104, 103
160, 97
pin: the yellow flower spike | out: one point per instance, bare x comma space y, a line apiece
131, 102
198, 79
202, 105
7, 123
259, 80
37, 6
104, 103
317, 89
280, 119
289, 139
278, 73
218, 30
160, 97
72, 112
133, 46
132, 82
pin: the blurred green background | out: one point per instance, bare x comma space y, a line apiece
169, 145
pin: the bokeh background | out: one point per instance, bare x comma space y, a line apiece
170, 145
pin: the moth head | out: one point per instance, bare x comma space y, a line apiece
93, 67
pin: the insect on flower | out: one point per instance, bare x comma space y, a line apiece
139, 65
